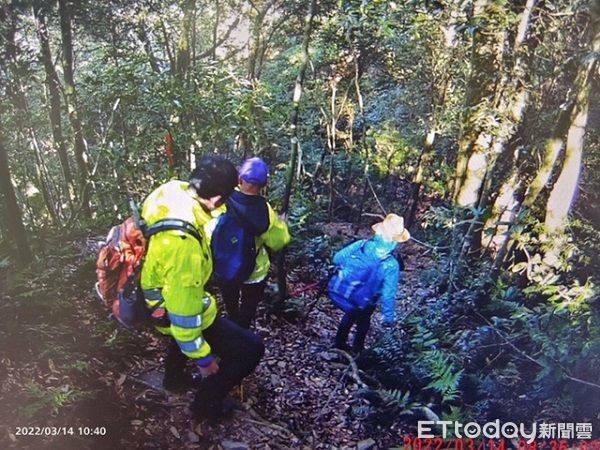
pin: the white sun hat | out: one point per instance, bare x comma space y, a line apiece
392, 229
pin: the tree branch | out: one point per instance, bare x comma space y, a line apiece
210, 51
375, 195
353, 366
532, 359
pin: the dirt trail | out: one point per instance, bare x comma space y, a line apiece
301, 395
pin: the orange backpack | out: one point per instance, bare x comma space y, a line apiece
119, 265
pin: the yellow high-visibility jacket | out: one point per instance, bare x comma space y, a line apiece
276, 237
177, 267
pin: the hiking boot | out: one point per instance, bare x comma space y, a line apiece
355, 352
219, 412
342, 346
229, 405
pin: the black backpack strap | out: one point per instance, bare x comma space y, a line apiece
400, 260
161, 225
171, 224
232, 209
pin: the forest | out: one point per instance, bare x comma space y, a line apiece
475, 120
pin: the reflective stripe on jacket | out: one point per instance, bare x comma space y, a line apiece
276, 237
178, 266
389, 270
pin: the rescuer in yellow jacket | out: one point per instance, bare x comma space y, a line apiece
175, 270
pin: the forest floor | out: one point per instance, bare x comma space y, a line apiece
98, 385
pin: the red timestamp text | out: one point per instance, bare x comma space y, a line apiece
437, 443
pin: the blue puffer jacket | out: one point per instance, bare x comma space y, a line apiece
389, 270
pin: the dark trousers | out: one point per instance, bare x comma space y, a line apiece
239, 351
362, 319
242, 300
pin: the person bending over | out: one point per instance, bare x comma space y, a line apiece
367, 273
175, 271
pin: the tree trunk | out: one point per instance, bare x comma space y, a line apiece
70, 93
54, 90
509, 101
255, 45
281, 275
476, 140
15, 92
497, 97
14, 222
331, 143
512, 92
441, 83
411, 211
563, 193
363, 140
552, 150
218, 42
564, 190
508, 206
216, 29
194, 36
142, 33
183, 58
168, 51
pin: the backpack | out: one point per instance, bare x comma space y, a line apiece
233, 248
119, 266
355, 284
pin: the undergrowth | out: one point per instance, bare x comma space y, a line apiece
525, 348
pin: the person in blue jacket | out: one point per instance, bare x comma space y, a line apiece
388, 234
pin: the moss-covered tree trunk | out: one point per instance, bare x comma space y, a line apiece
184, 50
475, 141
15, 92
496, 99
512, 104
13, 218
474, 153
70, 93
564, 190
499, 101
552, 149
571, 121
54, 94
183, 152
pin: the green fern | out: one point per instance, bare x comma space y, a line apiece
389, 404
456, 414
396, 401
54, 398
423, 339
444, 376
